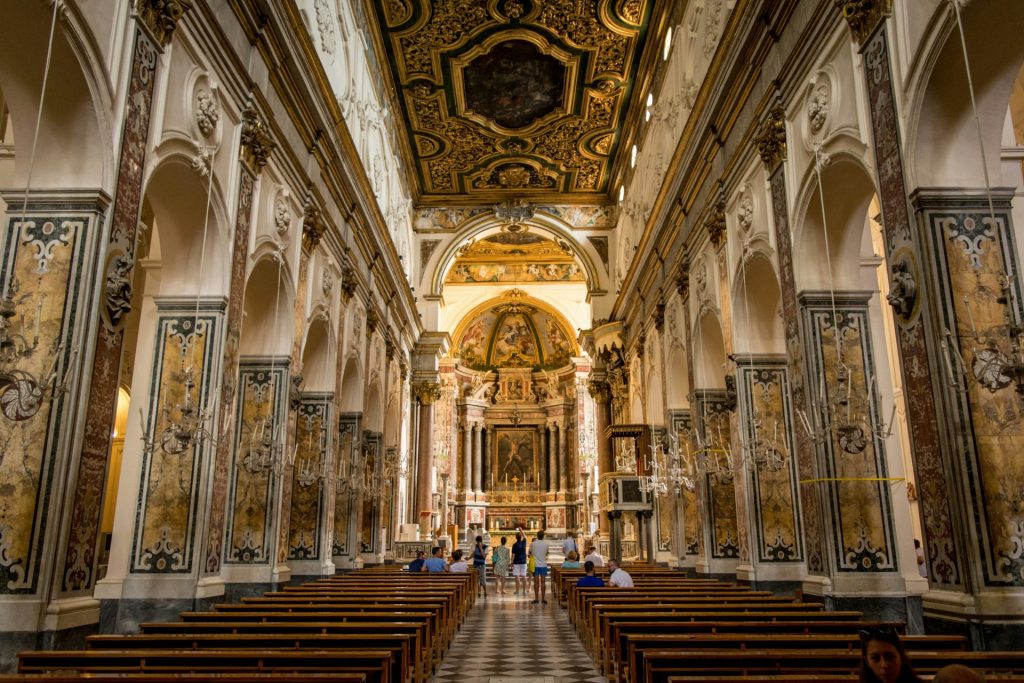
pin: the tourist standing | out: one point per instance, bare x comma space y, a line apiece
480, 562
519, 562
569, 545
539, 552
502, 558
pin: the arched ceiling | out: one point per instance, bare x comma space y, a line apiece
524, 98
515, 257
514, 331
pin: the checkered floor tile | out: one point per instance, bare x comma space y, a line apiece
508, 638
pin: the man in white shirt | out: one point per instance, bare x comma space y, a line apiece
569, 545
619, 577
594, 556
539, 550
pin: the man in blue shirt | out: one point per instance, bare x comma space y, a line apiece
435, 564
589, 581
417, 564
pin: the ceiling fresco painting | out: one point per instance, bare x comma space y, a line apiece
520, 97
514, 335
515, 257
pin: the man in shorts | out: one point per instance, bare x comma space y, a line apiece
519, 562
539, 550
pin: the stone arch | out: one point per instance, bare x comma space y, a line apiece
541, 223
756, 314
848, 190
709, 352
943, 142
317, 369
72, 128
373, 410
352, 387
267, 290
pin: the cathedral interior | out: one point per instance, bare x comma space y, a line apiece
296, 287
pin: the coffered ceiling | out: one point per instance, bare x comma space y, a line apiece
523, 98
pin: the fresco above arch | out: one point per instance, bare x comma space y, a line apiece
514, 334
511, 257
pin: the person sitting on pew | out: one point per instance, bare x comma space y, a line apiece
435, 565
619, 577
883, 659
417, 564
572, 561
589, 581
957, 673
594, 556
458, 565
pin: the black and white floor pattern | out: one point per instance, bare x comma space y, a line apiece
507, 638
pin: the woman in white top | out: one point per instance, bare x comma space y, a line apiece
458, 565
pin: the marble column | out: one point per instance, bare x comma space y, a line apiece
478, 458
154, 30
563, 466
601, 393
427, 393
542, 459
467, 458
552, 458
487, 472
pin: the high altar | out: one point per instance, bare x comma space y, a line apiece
518, 406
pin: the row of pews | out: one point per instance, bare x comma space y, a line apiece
371, 626
674, 629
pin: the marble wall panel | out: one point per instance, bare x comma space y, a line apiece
308, 492
170, 489
344, 503
979, 291
369, 516
777, 529
714, 422
855, 472
42, 271
261, 407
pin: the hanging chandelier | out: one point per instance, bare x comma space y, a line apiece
186, 425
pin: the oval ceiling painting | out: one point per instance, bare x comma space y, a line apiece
514, 335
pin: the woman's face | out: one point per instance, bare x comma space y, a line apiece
884, 660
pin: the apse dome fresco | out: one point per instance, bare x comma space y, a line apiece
514, 333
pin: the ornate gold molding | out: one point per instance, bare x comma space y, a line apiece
864, 15
683, 278
257, 142
427, 393
771, 141
312, 228
161, 17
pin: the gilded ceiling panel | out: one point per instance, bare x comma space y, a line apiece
522, 97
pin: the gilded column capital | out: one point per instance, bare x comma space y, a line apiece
715, 223
427, 393
312, 228
600, 391
257, 142
771, 140
161, 17
864, 15
683, 279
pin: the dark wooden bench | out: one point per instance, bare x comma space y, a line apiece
375, 664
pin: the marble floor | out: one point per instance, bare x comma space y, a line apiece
507, 638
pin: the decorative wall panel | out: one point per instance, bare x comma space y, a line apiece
714, 423
311, 442
978, 288
855, 472
262, 406
43, 260
343, 503
170, 493
764, 391
369, 518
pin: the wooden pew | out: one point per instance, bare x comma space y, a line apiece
402, 644
199, 677
375, 664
